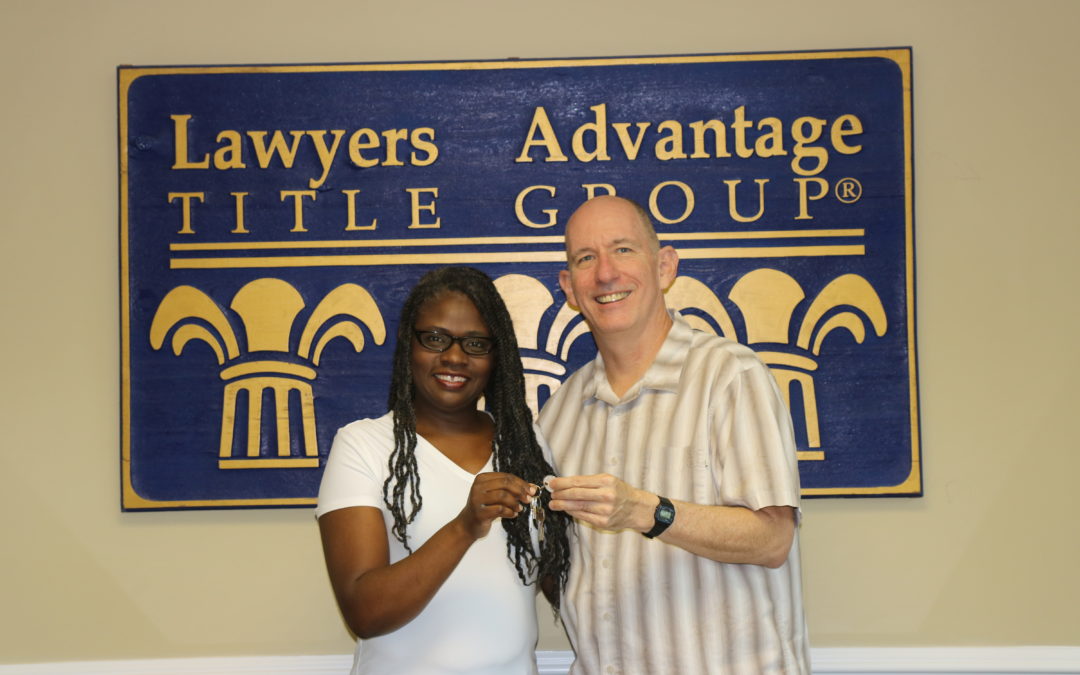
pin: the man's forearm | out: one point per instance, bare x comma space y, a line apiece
731, 534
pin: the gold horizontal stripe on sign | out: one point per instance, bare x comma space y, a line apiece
478, 258
495, 241
276, 463
372, 243
368, 260
770, 252
765, 234
268, 367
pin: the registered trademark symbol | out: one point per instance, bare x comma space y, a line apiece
848, 190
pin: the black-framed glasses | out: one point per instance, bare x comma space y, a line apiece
473, 345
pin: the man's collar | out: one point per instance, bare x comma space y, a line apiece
663, 374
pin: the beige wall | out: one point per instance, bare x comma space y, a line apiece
989, 557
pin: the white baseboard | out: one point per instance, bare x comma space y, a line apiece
825, 660
946, 660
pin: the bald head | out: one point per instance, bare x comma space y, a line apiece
607, 208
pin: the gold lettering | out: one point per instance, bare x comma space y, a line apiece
392, 137
739, 126
264, 153
771, 143
630, 146
185, 208
423, 139
688, 196
598, 127
230, 155
542, 125
673, 142
732, 208
744, 136
371, 140
519, 207
351, 226
298, 206
417, 207
719, 139
801, 150
805, 197
839, 130
326, 155
180, 145
238, 197
591, 188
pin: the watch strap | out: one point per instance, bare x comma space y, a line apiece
663, 516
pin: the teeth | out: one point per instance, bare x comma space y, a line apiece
612, 297
453, 379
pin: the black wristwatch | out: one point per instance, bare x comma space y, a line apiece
662, 517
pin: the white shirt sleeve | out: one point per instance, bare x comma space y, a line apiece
756, 443
357, 466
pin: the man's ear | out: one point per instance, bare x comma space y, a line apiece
668, 264
564, 284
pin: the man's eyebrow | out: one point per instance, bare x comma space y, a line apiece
614, 243
579, 250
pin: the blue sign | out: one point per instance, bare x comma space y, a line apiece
273, 218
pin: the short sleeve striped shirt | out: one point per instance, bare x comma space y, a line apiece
706, 424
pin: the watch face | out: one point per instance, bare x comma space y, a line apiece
665, 513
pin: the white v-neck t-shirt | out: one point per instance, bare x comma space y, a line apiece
482, 620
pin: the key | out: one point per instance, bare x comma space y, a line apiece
540, 515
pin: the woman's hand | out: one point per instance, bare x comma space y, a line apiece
494, 495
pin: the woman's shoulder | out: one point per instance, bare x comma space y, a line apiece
380, 424
371, 431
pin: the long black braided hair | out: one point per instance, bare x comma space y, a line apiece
516, 450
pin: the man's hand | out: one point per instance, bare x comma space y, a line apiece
604, 501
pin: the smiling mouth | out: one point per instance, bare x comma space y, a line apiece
612, 297
451, 379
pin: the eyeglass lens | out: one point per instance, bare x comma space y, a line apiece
473, 345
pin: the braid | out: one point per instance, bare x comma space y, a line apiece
403, 471
516, 449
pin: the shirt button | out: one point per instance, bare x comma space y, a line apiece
606, 563
607, 616
610, 669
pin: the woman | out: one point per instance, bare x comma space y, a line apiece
408, 500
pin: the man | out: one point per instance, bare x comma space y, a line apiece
682, 437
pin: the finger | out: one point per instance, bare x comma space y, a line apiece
517, 491
501, 496
582, 512
494, 511
572, 506
491, 482
590, 481
487, 513
584, 495
509, 506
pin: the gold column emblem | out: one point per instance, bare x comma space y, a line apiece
767, 299
267, 308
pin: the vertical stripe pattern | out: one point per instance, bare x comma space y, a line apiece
706, 424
